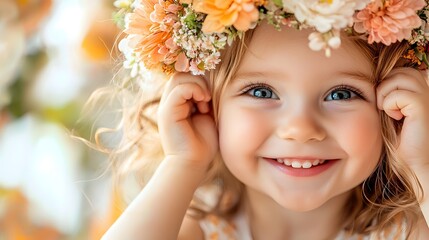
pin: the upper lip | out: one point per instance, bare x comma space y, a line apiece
303, 158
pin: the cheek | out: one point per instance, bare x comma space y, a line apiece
241, 131
361, 133
361, 138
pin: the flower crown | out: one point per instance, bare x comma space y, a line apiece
188, 35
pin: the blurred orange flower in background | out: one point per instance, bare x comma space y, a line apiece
15, 223
44, 194
99, 39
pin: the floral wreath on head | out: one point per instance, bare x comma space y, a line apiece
188, 35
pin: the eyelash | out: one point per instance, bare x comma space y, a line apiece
356, 91
250, 86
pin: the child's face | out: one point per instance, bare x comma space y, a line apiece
289, 102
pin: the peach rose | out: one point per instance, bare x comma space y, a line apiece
389, 22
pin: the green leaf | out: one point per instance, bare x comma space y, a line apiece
425, 59
192, 22
278, 3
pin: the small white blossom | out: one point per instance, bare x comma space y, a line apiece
201, 49
194, 68
132, 59
123, 3
127, 20
326, 41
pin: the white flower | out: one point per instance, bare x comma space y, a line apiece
124, 46
194, 68
325, 15
132, 59
127, 20
326, 41
123, 3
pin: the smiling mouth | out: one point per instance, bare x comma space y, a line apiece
301, 163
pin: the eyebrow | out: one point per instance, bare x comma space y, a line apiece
250, 75
357, 75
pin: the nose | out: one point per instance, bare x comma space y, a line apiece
301, 127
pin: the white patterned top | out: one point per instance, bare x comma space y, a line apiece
216, 228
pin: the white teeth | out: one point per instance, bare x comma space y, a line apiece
306, 164
297, 164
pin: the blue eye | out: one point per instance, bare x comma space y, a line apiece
343, 93
339, 95
262, 92
259, 90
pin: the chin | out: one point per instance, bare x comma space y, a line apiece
301, 204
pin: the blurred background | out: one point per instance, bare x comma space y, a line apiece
53, 54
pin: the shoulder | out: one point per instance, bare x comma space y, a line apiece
190, 229
210, 227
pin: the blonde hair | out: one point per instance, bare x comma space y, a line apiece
385, 196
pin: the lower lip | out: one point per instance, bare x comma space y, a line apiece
302, 172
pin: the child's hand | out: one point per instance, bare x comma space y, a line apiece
405, 94
186, 127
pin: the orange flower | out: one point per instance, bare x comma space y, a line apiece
390, 20
241, 14
152, 25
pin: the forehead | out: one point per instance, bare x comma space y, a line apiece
287, 51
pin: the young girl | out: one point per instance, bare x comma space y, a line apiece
279, 140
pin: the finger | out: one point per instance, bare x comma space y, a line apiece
179, 102
203, 107
399, 104
399, 81
185, 92
183, 78
418, 75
